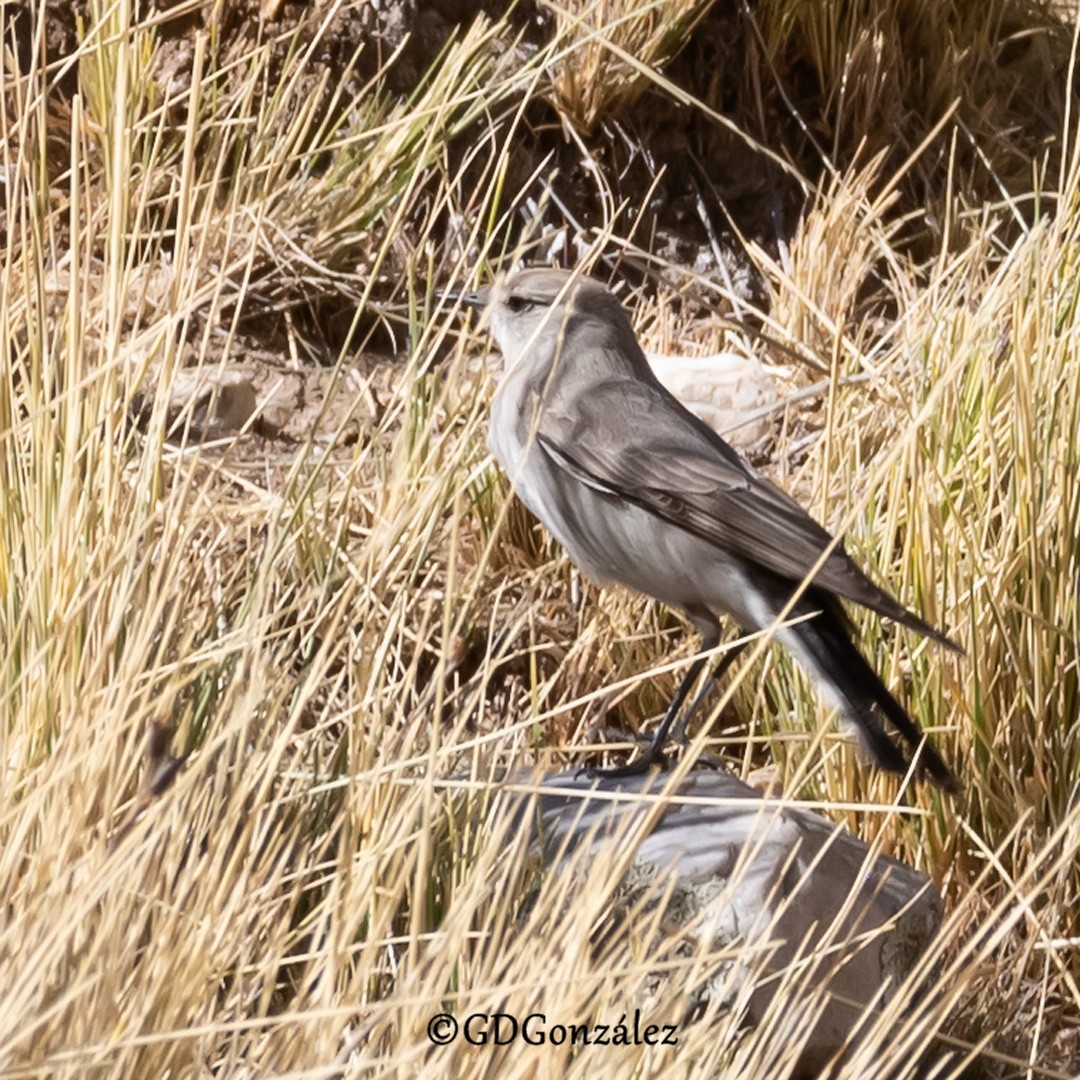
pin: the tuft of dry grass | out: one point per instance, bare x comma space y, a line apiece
348, 642
867, 69
591, 80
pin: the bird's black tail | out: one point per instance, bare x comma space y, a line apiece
826, 641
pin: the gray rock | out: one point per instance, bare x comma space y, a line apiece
819, 920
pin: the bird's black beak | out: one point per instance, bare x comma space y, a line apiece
477, 299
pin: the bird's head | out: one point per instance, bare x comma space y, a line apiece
534, 306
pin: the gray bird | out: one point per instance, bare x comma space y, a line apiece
641, 492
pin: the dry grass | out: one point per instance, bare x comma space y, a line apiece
347, 645
591, 81
867, 69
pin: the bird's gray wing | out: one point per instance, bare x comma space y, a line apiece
633, 439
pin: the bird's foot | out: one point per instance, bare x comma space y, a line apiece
639, 766
650, 758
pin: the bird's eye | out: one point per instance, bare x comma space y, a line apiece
518, 304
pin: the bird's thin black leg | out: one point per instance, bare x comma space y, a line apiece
654, 753
678, 732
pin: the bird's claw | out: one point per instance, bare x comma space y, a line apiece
639, 766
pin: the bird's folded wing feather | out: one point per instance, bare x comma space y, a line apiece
633, 439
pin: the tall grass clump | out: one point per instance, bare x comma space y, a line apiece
591, 80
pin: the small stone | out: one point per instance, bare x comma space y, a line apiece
210, 404
724, 390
